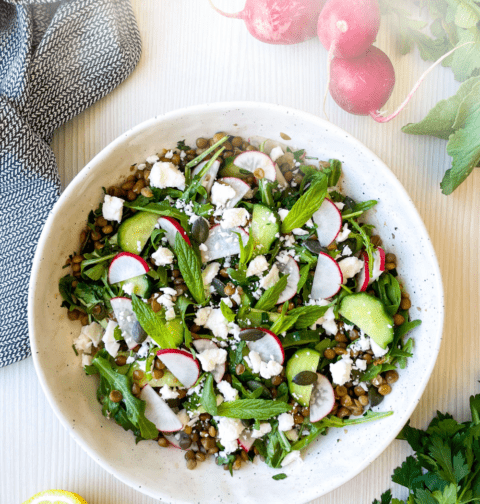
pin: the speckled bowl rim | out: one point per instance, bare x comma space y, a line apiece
222, 108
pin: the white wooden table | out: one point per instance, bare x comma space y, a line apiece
191, 55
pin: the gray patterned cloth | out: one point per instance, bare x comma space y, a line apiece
56, 59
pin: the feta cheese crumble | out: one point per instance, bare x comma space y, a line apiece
165, 174
265, 428
211, 357
350, 266
270, 279
285, 422
257, 266
221, 194
112, 208
341, 370
229, 429
228, 392
162, 256
234, 217
168, 393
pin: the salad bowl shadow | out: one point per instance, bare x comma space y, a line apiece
161, 473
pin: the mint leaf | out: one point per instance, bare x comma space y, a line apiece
307, 315
258, 409
135, 408
280, 476
464, 148
209, 399
163, 208
153, 323
305, 206
190, 267
182, 304
270, 297
227, 311
440, 121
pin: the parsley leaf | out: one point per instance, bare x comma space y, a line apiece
190, 268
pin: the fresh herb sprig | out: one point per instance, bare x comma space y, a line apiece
445, 468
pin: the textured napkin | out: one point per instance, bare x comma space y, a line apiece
56, 59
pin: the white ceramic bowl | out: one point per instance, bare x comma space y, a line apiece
162, 473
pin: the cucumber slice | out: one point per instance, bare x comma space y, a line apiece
304, 359
264, 228
143, 285
134, 233
230, 170
368, 313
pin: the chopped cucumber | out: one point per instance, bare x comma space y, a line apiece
134, 233
264, 228
304, 359
230, 170
143, 285
368, 313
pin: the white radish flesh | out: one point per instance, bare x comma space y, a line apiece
125, 266
239, 186
158, 411
246, 440
328, 278
329, 222
209, 177
222, 243
378, 264
269, 347
258, 163
171, 228
322, 399
290, 268
363, 279
132, 331
181, 364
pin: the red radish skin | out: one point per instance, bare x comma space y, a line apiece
279, 21
171, 226
347, 28
181, 364
362, 85
267, 346
363, 279
126, 265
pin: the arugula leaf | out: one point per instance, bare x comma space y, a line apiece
209, 399
270, 297
135, 408
259, 409
153, 323
306, 206
190, 267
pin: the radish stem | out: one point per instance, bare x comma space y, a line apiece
378, 115
234, 15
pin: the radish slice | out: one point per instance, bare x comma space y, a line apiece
205, 344
209, 177
328, 278
378, 264
172, 227
172, 440
132, 331
125, 266
181, 364
158, 411
329, 222
257, 163
246, 440
363, 279
290, 268
322, 399
239, 186
222, 243
269, 347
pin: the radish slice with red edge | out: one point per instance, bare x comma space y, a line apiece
322, 399
203, 344
132, 331
181, 364
222, 243
378, 264
159, 412
363, 279
329, 222
171, 228
246, 440
328, 278
269, 347
290, 268
239, 186
209, 177
258, 163
126, 265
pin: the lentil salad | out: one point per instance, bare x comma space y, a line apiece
218, 282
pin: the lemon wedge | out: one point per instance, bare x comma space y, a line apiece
56, 497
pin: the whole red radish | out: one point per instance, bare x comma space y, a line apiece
362, 85
279, 21
347, 28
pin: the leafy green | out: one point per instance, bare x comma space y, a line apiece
163, 208
259, 409
270, 297
153, 323
306, 205
307, 315
445, 468
208, 399
280, 476
190, 267
135, 408
227, 311
388, 290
